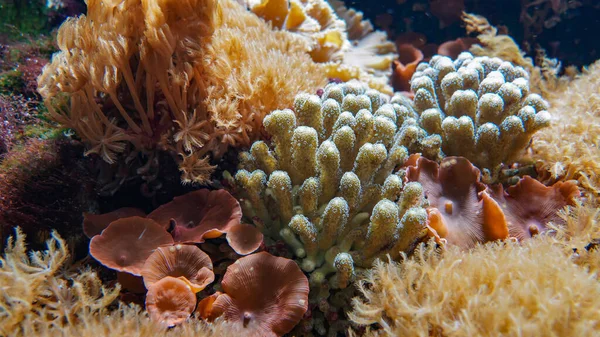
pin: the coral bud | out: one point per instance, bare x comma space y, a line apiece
308, 111
382, 228
344, 265
304, 150
280, 186
334, 221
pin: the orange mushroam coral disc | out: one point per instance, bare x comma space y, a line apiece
530, 205
464, 213
406, 65
170, 301
126, 243
263, 295
205, 214
244, 238
94, 224
179, 260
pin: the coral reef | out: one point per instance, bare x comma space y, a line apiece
531, 289
326, 186
481, 107
171, 75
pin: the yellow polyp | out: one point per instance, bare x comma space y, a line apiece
448, 207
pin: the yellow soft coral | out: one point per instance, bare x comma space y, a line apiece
37, 292
512, 289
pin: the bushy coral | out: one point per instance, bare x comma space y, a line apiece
37, 290
514, 289
326, 186
180, 76
481, 107
575, 154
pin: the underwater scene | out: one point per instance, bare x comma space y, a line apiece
425, 168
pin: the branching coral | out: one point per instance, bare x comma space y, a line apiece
515, 289
172, 75
326, 186
481, 107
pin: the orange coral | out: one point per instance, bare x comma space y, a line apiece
529, 205
465, 214
179, 261
405, 66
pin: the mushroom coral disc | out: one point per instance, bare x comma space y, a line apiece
170, 301
94, 224
199, 215
126, 243
176, 261
464, 211
263, 294
530, 205
465, 214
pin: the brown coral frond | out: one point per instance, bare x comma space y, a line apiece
195, 170
264, 294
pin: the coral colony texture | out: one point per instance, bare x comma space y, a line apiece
319, 201
481, 107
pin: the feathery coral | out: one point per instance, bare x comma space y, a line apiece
193, 77
529, 289
576, 118
38, 293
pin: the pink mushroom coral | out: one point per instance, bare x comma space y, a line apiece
170, 301
530, 205
176, 261
126, 243
205, 214
94, 224
263, 295
463, 213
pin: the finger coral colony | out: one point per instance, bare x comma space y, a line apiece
337, 183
